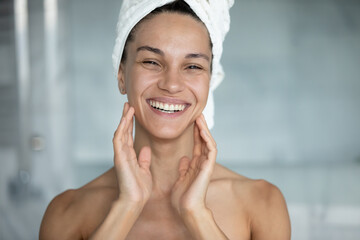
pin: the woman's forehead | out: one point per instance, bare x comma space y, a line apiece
172, 29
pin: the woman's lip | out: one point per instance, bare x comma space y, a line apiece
168, 100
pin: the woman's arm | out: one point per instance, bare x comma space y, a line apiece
189, 192
202, 225
134, 180
119, 221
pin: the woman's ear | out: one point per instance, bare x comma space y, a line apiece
121, 79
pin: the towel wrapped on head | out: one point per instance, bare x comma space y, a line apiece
213, 13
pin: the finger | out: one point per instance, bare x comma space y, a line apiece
130, 132
119, 131
197, 141
129, 115
203, 126
125, 108
183, 166
120, 134
130, 127
117, 134
211, 147
144, 158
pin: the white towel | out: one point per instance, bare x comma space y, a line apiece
213, 13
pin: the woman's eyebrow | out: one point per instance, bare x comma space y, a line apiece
151, 49
160, 52
198, 55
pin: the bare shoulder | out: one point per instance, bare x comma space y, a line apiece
75, 213
57, 216
261, 202
268, 211
258, 191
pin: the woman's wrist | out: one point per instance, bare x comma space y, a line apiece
196, 214
129, 205
202, 225
133, 200
119, 220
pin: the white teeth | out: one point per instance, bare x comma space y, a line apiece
166, 107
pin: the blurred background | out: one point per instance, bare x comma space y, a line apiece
288, 110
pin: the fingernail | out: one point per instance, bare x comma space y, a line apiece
204, 132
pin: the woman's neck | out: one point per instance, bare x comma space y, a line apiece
165, 157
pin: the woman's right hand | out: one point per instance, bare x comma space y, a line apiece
133, 175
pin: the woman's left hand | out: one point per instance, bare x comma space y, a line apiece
189, 192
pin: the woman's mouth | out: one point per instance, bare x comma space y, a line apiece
167, 107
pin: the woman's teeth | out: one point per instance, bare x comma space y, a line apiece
167, 108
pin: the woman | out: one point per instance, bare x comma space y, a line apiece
165, 183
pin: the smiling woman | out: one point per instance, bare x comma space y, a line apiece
169, 69
165, 183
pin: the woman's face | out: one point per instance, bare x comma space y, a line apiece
167, 73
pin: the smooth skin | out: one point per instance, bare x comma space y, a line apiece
165, 183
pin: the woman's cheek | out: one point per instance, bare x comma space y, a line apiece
201, 89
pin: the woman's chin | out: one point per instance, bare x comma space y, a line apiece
166, 128
167, 133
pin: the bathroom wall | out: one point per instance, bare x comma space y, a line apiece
287, 111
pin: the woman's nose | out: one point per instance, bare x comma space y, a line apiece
171, 81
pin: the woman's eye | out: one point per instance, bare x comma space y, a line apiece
150, 62
151, 65
194, 67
